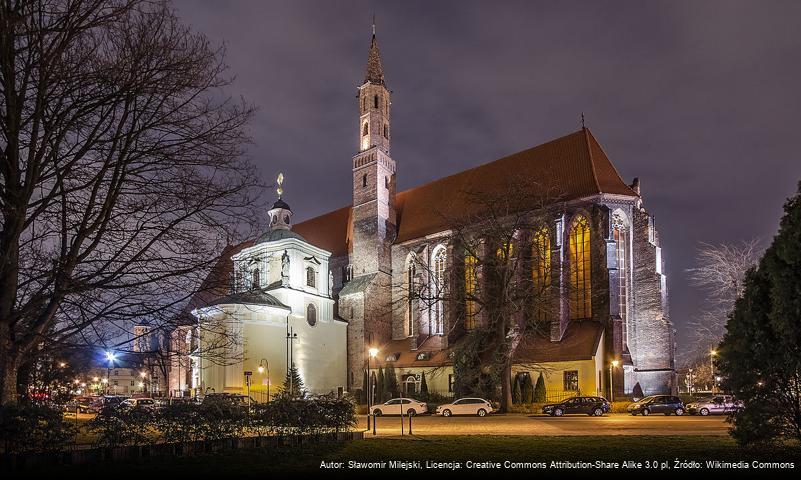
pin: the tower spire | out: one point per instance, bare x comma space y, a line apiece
375, 72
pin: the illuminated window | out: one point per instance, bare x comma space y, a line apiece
470, 286
541, 269
438, 261
570, 381
621, 237
580, 289
506, 251
412, 290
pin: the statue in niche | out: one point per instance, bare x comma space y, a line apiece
285, 269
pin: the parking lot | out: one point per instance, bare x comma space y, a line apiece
526, 424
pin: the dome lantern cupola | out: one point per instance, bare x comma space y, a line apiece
280, 214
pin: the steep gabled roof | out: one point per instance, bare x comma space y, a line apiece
570, 167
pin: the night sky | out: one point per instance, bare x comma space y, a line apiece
699, 99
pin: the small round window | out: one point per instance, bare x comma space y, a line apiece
311, 315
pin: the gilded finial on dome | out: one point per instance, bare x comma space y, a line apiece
280, 189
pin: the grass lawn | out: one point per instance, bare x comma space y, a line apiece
458, 449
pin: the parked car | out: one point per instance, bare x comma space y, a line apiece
667, 404
398, 406
593, 406
466, 406
719, 404
147, 403
81, 405
233, 398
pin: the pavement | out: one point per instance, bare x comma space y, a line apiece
527, 424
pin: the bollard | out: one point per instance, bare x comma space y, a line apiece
373, 424
410, 424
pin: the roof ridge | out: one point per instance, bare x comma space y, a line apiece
614, 168
585, 130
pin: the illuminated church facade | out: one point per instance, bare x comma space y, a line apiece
334, 279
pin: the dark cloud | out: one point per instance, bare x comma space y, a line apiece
698, 99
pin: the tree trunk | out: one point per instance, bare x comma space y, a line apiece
506, 388
9, 367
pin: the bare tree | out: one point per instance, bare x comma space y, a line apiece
121, 175
496, 288
720, 273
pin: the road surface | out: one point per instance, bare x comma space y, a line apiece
525, 424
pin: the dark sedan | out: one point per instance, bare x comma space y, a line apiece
667, 404
592, 406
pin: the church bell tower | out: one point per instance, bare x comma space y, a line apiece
373, 174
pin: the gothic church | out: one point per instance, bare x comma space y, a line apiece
331, 277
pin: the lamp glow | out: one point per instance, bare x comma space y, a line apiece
373, 352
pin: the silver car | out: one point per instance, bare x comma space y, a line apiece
717, 405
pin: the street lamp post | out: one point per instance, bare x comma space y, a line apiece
264, 364
110, 357
372, 353
612, 366
712, 354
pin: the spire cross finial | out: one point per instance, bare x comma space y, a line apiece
582, 120
373, 23
280, 189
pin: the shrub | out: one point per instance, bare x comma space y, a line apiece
290, 416
222, 419
423, 385
517, 396
637, 392
34, 427
180, 422
540, 393
528, 389
115, 426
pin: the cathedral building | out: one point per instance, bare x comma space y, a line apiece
335, 278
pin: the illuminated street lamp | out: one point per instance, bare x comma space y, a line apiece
712, 354
264, 365
62, 365
613, 365
373, 352
110, 357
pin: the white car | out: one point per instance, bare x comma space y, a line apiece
398, 406
466, 406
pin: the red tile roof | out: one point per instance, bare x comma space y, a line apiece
580, 342
573, 166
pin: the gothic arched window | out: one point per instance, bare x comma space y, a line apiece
311, 277
438, 263
255, 280
620, 234
366, 129
386, 131
541, 269
580, 280
411, 286
375, 101
364, 180
311, 314
470, 290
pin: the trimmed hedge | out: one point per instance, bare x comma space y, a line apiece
34, 427
189, 422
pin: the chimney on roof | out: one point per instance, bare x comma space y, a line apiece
635, 185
